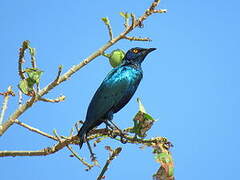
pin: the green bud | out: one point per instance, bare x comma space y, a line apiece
106, 20
116, 57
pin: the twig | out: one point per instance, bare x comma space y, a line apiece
113, 154
5, 102
75, 68
20, 98
149, 11
110, 31
58, 99
133, 20
16, 114
9, 92
89, 166
137, 39
126, 16
161, 175
107, 23
35, 130
160, 11
126, 22
42, 152
33, 59
25, 45
59, 73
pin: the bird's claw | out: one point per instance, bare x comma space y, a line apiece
93, 157
123, 140
113, 134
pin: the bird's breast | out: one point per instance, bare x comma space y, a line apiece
127, 74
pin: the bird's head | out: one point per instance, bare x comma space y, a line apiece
136, 55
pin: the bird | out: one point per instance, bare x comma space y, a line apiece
115, 91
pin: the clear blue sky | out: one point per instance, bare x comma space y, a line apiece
191, 85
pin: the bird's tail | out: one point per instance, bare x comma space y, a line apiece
81, 134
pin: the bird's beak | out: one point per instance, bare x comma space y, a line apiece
150, 50
147, 51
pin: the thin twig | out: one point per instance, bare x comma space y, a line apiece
16, 114
137, 38
126, 22
5, 103
89, 166
59, 72
110, 31
107, 23
113, 154
33, 59
35, 130
42, 152
25, 45
160, 11
58, 99
20, 98
75, 68
133, 18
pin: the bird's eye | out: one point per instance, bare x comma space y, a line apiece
135, 51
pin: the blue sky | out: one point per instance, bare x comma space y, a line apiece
191, 85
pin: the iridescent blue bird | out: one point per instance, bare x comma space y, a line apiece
115, 91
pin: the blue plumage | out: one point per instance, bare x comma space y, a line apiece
115, 91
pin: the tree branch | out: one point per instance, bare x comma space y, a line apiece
5, 102
75, 140
113, 155
137, 38
57, 100
21, 58
107, 23
89, 166
35, 130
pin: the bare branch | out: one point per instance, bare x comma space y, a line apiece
148, 12
5, 102
59, 72
16, 114
113, 154
89, 166
75, 140
107, 23
133, 20
42, 152
35, 130
57, 100
25, 45
20, 98
33, 60
159, 11
9, 92
137, 38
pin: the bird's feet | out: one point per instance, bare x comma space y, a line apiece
78, 124
122, 134
123, 137
93, 157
